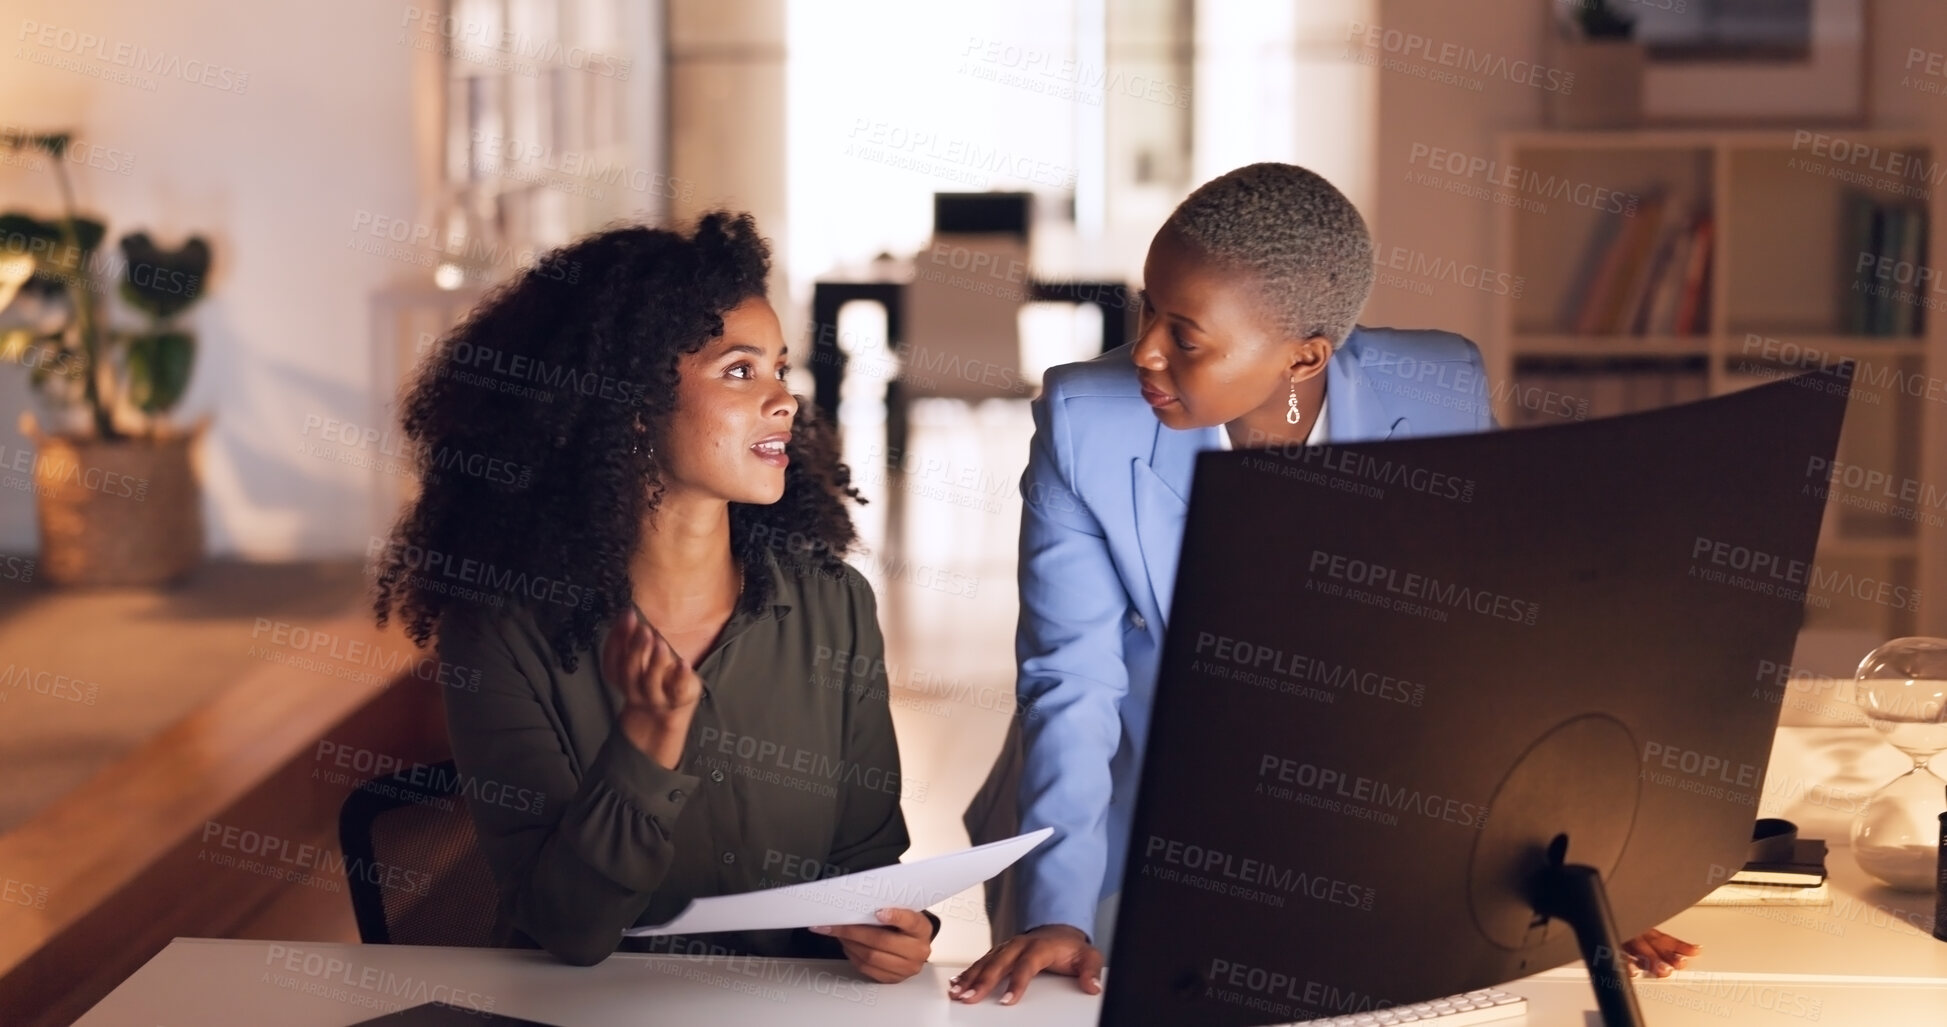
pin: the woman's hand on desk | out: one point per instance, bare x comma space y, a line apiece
1058, 948
888, 954
659, 688
1658, 954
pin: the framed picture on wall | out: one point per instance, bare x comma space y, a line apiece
1753, 61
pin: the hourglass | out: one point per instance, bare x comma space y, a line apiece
1902, 688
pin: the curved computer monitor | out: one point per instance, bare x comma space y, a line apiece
1411, 689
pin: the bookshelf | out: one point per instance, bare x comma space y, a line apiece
547, 109
1798, 243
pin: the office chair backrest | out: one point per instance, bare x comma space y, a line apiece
983, 213
963, 311
413, 863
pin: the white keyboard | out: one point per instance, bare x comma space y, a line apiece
1484, 1006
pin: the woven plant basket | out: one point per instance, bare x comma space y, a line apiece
126, 512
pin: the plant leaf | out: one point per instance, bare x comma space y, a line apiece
42, 241
162, 283
159, 364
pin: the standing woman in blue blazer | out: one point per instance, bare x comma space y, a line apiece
1246, 338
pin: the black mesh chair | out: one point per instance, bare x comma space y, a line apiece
413, 863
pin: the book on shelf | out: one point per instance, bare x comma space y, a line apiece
1693, 308
1912, 254
1602, 313
1886, 243
1554, 390
1594, 257
1892, 235
1647, 275
1692, 387
1648, 282
1862, 226
1642, 270
1660, 313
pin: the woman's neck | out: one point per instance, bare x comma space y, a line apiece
683, 573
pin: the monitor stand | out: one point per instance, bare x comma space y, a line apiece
1573, 893
1565, 795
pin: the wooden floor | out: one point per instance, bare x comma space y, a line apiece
87, 675
210, 826
947, 605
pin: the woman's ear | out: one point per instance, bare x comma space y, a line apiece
1310, 356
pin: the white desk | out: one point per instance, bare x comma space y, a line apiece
1866, 960
1860, 961
203, 982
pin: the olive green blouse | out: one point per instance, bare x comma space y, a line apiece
790, 772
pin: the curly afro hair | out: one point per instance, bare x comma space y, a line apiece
550, 398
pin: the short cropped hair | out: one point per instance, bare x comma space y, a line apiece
1295, 233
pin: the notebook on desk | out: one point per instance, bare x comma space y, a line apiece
1779, 856
1805, 867
1768, 895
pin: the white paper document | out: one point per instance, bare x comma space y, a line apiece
853, 898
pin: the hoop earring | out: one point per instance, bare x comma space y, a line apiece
1292, 414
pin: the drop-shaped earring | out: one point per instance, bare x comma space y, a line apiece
1292, 414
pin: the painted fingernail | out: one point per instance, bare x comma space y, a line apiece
884, 915
821, 930
1007, 999
955, 990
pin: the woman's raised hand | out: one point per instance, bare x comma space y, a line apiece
659, 688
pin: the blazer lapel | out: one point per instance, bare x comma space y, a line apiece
1357, 412
1162, 490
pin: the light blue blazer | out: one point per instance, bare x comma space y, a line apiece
1104, 498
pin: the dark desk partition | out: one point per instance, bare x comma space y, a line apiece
1409, 688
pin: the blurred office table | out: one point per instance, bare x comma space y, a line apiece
828, 359
1864, 960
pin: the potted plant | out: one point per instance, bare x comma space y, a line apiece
1596, 44
116, 490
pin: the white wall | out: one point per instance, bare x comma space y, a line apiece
891, 101
273, 176
1274, 84
1415, 110
1895, 87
